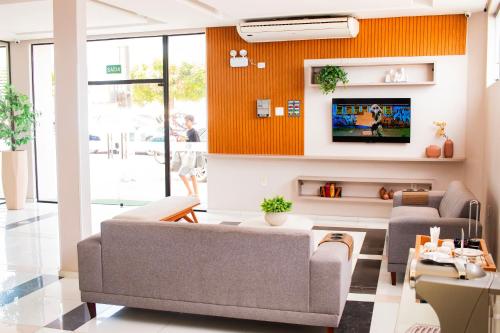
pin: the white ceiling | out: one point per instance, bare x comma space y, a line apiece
32, 19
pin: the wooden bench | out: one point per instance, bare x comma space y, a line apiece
169, 209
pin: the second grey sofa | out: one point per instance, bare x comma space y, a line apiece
448, 210
250, 273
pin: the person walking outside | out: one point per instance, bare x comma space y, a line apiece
188, 159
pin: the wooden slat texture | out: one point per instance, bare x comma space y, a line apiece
232, 92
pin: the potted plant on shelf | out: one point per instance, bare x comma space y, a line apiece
276, 210
329, 76
16, 121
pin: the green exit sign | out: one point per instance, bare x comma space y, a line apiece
113, 69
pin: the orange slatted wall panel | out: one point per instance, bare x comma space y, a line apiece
232, 92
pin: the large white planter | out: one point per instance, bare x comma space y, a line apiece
275, 219
15, 178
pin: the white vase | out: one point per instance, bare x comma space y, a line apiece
15, 178
275, 219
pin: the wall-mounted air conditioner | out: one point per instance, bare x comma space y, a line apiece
298, 29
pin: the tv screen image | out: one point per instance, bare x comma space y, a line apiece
371, 119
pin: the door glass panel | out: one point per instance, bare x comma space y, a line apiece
126, 143
124, 59
45, 139
188, 132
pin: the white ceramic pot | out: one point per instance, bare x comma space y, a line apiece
15, 178
275, 219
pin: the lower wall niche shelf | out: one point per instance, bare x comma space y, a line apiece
356, 190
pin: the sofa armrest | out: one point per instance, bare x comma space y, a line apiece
403, 231
435, 198
330, 278
90, 264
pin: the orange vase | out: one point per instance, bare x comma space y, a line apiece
448, 148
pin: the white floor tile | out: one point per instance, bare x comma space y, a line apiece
14, 328
384, 317
50, 330
127, 320
36, 310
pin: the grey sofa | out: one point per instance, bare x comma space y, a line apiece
448, 210
250, 273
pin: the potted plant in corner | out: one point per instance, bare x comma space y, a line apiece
16, 121
329, 77
276, 210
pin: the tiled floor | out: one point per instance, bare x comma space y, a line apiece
34, 299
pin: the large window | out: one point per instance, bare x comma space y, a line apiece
129, 131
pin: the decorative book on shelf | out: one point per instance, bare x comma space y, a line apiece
329, 190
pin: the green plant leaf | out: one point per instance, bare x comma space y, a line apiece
276, 205
329, 76
16, 118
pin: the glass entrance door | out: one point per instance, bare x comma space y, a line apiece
130, 124
126, 120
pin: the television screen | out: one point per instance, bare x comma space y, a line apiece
371, 119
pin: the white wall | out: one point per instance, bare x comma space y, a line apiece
491, 133
444, 101
492, 167
476, 76
241, 182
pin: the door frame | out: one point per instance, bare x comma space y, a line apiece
166, 95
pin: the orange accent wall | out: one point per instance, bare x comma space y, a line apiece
232, 92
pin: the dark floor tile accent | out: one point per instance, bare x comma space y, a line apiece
72, 320
356, 318
365, 277
10, 295
29, 221
374, 239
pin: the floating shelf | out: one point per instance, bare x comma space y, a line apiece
369, 200
344, 158
356, 190
373, 74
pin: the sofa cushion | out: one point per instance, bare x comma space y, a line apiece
157, 210
456, 200
424, 212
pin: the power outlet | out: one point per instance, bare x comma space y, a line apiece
263, 181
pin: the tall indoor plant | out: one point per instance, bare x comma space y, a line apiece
16, 127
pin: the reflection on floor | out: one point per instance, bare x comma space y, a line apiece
33, 298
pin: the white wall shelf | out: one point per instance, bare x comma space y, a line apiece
381, 159
356, 190
373, 74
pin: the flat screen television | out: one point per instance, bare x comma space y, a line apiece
371, 120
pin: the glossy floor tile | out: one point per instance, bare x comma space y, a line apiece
33, 299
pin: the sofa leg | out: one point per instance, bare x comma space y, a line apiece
92, 310
393, 278
329, 330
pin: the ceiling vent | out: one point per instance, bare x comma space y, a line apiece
298, 29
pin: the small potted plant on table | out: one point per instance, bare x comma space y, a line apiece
276, 210
16, 128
